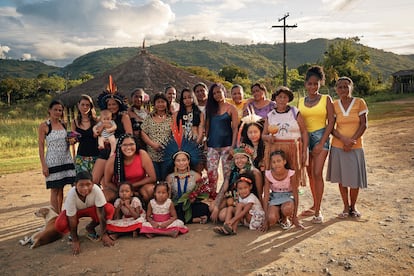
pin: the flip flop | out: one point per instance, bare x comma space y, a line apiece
93, 237
355, 214
343, 215
308, 213
220, 230
229, 229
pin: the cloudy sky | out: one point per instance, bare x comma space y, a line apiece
58, 31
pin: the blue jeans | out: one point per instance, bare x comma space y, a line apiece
315, 137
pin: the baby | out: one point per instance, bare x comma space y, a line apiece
107, 132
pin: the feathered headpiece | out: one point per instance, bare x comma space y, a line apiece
250, 118
180, 144
111, 93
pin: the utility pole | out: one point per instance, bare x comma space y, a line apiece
284, 44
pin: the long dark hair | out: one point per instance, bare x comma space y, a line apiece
182, 111
212, 105
119, 168
91, 113
260, 146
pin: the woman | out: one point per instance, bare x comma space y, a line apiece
237, 99
259, 103
129, 164
184, 180
57, 165
318, 114
114, 102
191, 117
241, 164
156, 131
201, 92
88, 144
221, 128
137, 112
285, 129
346, 165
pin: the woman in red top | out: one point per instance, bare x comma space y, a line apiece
130, 164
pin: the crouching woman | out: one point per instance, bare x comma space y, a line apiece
85, 199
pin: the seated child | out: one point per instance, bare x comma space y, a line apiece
248, 209
107, 132
161, 215
85, 199
129, 214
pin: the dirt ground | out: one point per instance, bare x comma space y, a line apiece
381, 242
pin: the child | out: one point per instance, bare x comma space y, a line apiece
283, 202
161, 215
105, 130
85, 199
248, 208
129, 214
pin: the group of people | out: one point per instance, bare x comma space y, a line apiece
153, 171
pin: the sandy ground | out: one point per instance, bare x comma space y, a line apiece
380, 243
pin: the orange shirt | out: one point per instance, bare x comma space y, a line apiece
347, 121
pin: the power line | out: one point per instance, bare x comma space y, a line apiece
284, 26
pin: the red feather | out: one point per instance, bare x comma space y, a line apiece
177, 132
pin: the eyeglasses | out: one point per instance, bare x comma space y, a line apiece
128, 145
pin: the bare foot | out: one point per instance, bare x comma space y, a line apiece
135, 234
149, 236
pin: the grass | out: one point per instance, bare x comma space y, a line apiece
18, 133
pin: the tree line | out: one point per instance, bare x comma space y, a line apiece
342, 58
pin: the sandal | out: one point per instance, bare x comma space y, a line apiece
354, 213
343, 215
93, 237
317, 219
229, 229
285, 225
308, 213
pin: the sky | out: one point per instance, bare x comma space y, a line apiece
58, 31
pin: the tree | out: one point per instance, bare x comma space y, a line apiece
345, 58
8, 87
230, 72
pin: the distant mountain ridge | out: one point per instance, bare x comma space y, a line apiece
259, 59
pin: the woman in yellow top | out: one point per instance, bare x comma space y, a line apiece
346, 164
317, 111
237, 99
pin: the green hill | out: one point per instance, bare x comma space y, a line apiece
259, 60
25, 69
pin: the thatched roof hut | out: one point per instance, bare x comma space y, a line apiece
143, 70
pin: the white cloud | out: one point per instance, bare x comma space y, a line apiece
26, 56
3, 51
62, 30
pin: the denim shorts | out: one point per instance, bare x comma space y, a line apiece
315, 137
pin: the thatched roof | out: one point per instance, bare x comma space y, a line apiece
144, 71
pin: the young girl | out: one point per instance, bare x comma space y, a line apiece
252, 135
248, 209
283, 202
129, 214
161, 215
191, 117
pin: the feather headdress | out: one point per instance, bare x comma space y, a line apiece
111, 93
250, 118
181, 144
